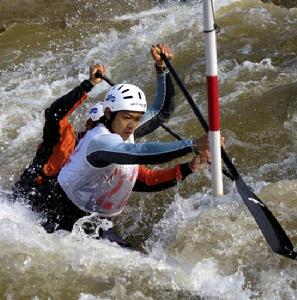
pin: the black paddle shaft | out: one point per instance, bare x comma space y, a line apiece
272, 231
105, 78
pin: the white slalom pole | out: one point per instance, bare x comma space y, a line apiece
213, 98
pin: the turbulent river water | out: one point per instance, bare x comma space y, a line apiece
199, 246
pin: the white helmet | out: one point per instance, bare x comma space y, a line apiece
96, 112
125, 97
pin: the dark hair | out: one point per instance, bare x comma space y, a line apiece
107, 122
95, 123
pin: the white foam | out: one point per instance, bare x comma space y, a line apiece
143, 14
208, 281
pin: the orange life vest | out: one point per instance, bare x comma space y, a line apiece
63, 150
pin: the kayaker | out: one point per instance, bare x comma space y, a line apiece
37, 184
107, 165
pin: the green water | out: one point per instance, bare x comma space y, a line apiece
200, 246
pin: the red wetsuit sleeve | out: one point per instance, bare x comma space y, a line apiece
160, 179
157, 176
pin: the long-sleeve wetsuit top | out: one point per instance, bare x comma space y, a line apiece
103, 169
59, 138
161, 109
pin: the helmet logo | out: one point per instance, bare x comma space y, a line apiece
93, 110
110, 98
138, 104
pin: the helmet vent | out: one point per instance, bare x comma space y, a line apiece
124, 96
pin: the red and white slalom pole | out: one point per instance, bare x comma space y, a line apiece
213, 98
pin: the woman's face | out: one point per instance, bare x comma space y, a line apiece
125, 122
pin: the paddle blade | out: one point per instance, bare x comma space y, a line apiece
269, 226
271, 229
